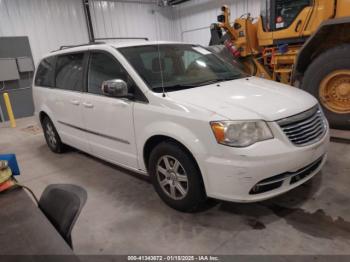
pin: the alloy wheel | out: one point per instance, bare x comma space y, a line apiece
50, 134
172, 177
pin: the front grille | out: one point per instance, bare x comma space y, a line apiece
277, 181
305, 128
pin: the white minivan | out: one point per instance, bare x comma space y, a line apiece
196, 124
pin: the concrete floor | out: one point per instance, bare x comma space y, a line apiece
124, 215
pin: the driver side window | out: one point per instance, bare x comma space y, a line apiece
287, 11
104, 67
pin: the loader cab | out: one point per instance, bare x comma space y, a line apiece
282, 20
280, 14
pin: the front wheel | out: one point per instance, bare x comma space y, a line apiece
328, 79
176, 177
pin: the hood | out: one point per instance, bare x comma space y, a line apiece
248, 98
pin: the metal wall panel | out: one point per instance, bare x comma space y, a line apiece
132, 19
8, 69
25, 64
193, 19
20, 88
52, 23
48, 23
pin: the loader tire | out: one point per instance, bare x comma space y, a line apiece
328, 79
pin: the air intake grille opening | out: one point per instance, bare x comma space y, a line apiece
274, 182
261, 188
306, 171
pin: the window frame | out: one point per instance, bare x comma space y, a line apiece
139, 96
85, 54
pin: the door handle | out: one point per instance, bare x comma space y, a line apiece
75, 102
88, 105
298, 25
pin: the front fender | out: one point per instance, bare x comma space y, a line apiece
177, 132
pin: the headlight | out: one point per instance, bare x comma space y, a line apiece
240, 133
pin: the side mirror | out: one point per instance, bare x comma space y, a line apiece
115, 88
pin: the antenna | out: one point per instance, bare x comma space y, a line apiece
161, 70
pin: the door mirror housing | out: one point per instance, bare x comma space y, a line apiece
115, 88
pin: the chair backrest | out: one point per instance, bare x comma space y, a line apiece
62, 204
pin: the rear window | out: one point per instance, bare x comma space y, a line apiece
46, 72
69, 72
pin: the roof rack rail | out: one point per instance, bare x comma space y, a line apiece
71, 46
122, 38
98, 43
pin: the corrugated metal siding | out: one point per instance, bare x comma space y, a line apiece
132, 19
52, 23
193, 19
48, 23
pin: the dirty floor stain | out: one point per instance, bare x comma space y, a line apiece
317, 224
255, 224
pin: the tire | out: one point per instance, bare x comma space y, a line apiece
52, 138
195, 198
333, 60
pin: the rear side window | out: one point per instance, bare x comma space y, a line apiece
69, 72
46, 72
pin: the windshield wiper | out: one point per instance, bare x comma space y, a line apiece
208, 82
177, 87
213, 81
174, 87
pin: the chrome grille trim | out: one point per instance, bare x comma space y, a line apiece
307, 123
305, 128
308, 132
317, 126
298, 117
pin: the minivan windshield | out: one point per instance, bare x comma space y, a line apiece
179, 66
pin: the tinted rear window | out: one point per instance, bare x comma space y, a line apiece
46, 72
69, 72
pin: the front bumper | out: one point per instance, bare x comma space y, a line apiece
234, 175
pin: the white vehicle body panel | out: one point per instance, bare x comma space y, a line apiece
248, 98
110, 128
228, 172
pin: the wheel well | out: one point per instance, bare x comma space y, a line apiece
329, 35
153, 141
42, 115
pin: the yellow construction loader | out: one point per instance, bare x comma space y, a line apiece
305, 43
